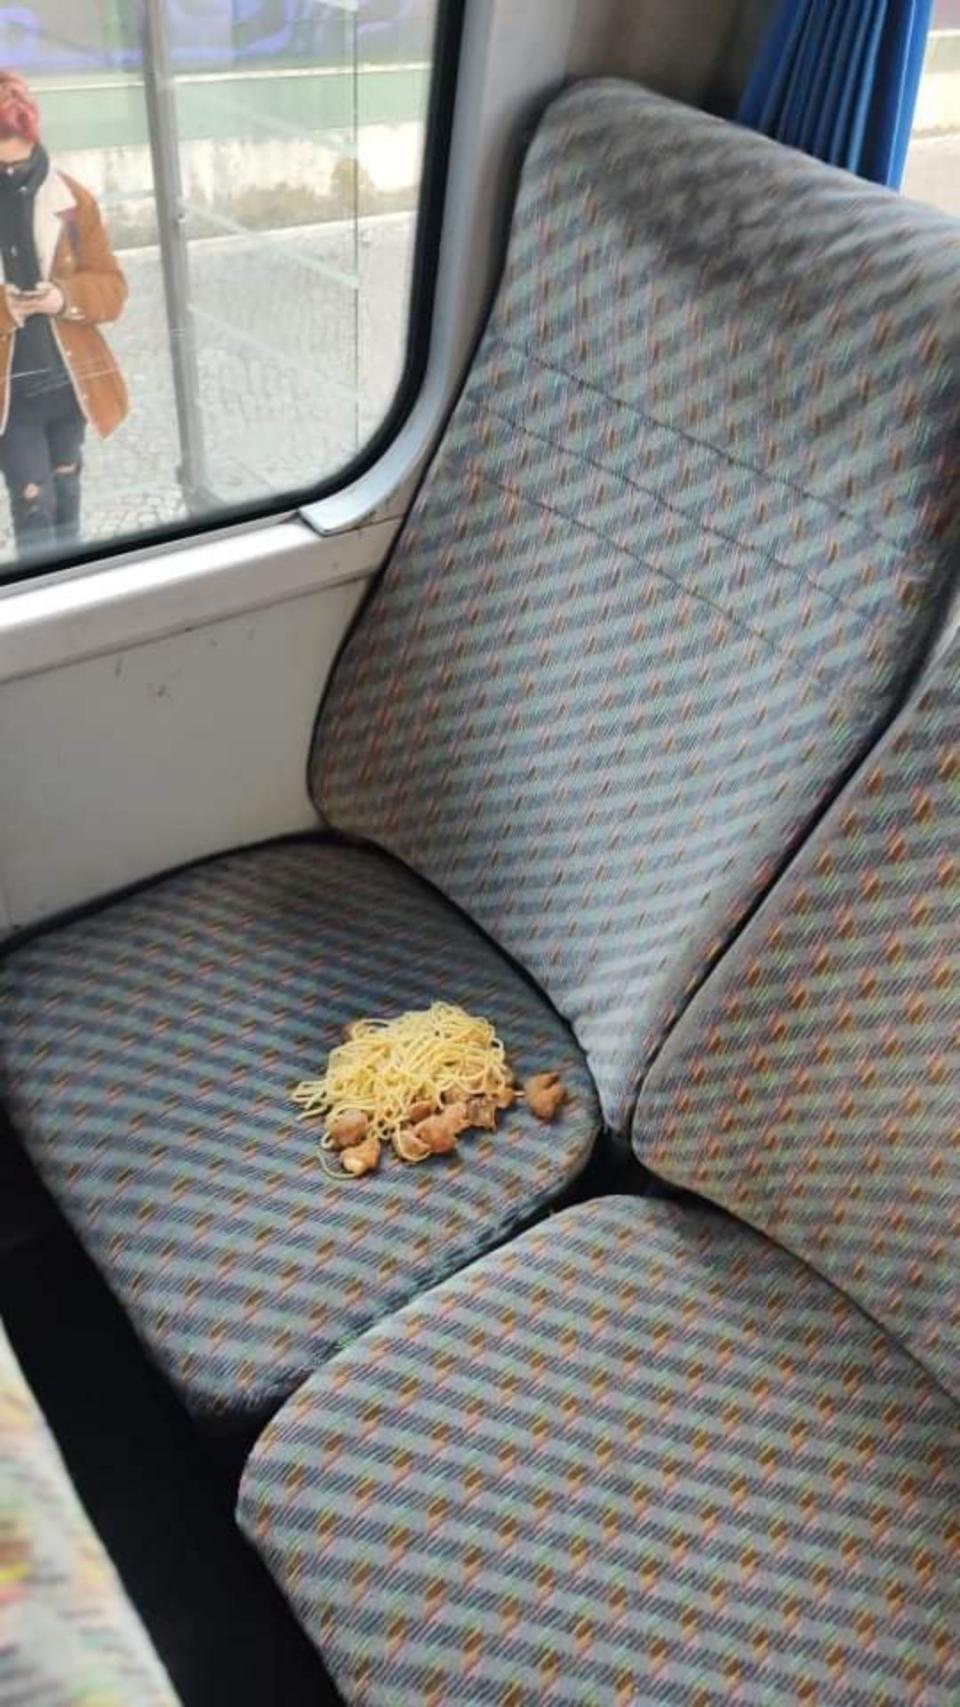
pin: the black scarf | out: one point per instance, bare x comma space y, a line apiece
18, 192
38, 369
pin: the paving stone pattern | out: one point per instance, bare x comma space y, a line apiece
295, 367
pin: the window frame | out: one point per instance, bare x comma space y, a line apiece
260, 512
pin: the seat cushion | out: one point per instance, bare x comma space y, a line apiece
684, 540
69, 1636
639, 1455
149, 1052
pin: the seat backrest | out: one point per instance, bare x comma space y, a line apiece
68, 1633
813, 1085
686, 533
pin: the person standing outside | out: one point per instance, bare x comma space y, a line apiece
59, 281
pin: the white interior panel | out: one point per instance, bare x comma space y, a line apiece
123, 765
61, 619
695, 50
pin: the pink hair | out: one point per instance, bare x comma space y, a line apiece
18, 110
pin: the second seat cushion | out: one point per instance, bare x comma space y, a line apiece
638, 1456
148, 1056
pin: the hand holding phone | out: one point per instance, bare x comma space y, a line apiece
40, 299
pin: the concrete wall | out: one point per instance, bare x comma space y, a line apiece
260, 184
938, 104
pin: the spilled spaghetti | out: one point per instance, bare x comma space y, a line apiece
416, 1082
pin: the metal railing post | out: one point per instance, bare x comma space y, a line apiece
174, 256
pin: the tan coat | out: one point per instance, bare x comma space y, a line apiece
74, 253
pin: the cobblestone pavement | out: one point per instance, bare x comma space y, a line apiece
295, 366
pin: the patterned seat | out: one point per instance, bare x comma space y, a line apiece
693, 518
644, 1454
150, 1051
68, 1635
813, 1088
686, 539
638, 1456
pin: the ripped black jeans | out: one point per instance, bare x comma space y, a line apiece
41, 459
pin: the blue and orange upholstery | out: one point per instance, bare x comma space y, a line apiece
150, 1053
692, 523
645, 1454
68, 1634
687, 538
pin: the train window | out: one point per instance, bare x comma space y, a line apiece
933, 162
208, 240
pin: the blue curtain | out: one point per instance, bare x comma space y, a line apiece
839, 79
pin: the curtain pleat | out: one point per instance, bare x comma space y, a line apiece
839, 79
827, 106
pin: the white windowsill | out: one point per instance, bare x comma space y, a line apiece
68, 617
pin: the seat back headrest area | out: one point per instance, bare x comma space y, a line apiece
685, 538
813, 1086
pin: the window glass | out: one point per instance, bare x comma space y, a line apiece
933, 163
207, 228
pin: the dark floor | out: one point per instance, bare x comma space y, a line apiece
160, 1494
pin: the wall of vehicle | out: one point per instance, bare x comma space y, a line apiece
150, 753
697, 50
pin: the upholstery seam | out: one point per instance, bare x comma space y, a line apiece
691, 592
902, 547
688, 515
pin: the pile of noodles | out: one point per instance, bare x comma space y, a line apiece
434, 1055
